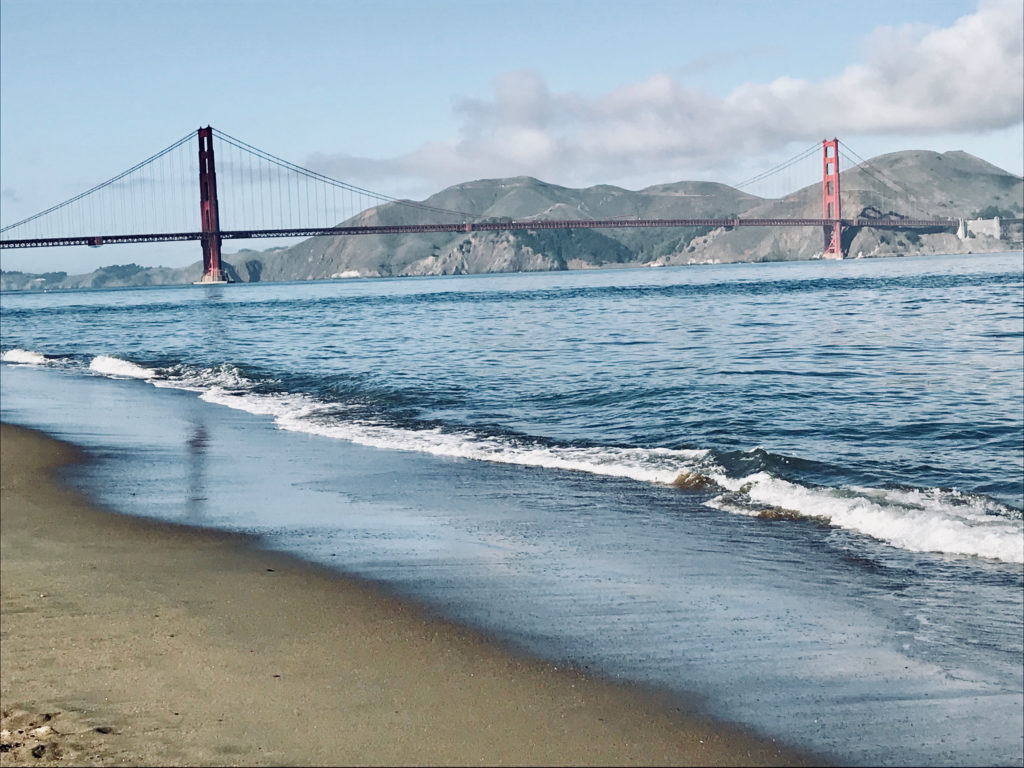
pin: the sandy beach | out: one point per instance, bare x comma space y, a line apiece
126, 641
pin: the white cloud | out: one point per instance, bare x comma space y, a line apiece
968, 77
914, 80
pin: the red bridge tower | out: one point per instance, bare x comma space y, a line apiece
830, 199
208, 210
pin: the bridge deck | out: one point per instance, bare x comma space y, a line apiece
483, 226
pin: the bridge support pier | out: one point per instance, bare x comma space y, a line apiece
830, 200
210, 217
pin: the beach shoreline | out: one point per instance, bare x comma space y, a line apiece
131, 641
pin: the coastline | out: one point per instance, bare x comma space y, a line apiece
150, 643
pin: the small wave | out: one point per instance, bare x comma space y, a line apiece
118, 368
919, 520
651, 465
300, 413
225, 378
929, 520
283, 407
23, 357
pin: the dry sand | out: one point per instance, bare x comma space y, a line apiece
126, 641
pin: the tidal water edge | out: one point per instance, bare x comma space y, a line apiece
792, 490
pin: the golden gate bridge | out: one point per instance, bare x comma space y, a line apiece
154, 201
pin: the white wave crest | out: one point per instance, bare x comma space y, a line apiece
928, 520
920, 520
23, 357
222, 377
646, 465
118, 368
298, 413
279, 406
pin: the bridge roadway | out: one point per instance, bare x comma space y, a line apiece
481, 226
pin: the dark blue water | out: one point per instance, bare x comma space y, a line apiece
793, 489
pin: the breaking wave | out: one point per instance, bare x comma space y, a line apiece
23, 357
118, 368
916, 519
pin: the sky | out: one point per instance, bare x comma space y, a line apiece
407, 97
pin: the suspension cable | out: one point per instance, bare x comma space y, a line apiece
335, 182
106, 183
888, 180
781, 166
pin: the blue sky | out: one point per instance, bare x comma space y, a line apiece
408, 97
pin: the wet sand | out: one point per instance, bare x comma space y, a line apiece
128, 641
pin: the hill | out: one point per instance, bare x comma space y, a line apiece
926, 184
917, 184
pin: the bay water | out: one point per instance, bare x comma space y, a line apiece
787, 494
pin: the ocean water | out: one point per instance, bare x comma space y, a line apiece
789, 493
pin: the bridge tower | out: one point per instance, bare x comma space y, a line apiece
208, 209
830, 199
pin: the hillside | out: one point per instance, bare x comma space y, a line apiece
916, 184
117, 276
927, 184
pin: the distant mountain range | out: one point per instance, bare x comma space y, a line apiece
928, 185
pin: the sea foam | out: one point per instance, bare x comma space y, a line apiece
920, 520
299, 413
23, 357
118, 368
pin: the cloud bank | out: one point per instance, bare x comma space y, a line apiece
915, 80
